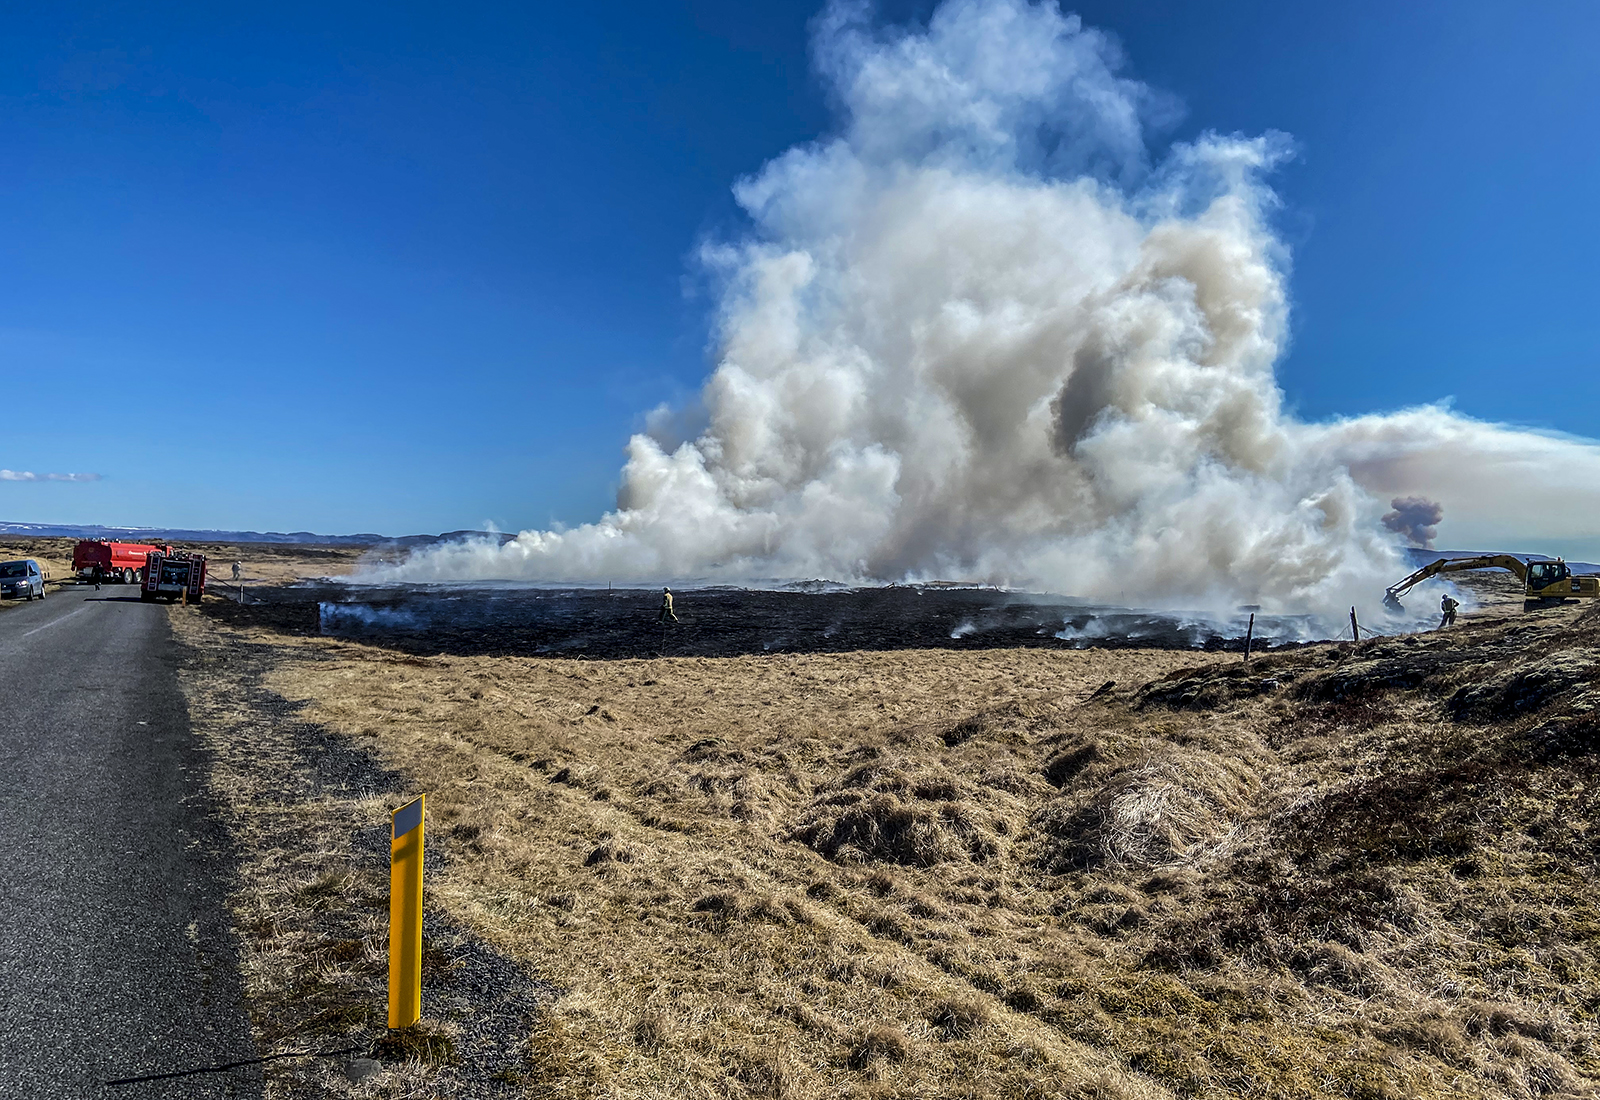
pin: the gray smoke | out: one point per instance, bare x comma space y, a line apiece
335, 616
979, 335
1415, 519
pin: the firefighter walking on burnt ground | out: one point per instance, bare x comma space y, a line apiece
1447, 607
666, 607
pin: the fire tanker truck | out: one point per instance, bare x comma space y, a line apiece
170, 574
116, 562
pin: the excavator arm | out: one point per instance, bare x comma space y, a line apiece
1391, 598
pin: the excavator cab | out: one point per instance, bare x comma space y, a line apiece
1542, 574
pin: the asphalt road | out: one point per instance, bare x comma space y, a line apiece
115, 954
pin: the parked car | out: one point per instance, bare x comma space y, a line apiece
21, 580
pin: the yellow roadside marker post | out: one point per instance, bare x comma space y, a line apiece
405, 914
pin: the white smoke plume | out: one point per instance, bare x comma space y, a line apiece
979, 334
28, 475
1415, 519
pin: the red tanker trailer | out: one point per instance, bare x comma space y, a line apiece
117, 562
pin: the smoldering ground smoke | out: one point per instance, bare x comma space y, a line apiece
980, 333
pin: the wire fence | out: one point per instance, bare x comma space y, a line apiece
226, 1066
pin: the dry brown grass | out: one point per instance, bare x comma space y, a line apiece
941, 874
276, 563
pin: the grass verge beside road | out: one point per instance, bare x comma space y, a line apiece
309, 813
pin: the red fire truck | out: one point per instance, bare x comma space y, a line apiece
117, 562
169, 574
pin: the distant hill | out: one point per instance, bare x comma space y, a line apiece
1420, 557
174, 534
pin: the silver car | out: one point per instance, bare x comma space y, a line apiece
21, 580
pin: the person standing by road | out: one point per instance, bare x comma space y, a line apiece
1448, 607
666, 607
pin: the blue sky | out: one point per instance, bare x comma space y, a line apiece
413, 268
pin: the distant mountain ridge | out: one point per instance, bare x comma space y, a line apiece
1420, 557
176, 534
1417, 555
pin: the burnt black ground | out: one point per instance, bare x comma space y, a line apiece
725, 622
116, 956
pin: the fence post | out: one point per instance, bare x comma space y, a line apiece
1248, 631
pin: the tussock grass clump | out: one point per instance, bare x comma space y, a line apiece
1437, 812
1511, 692
1167, 813
1564, 739
609, 850
650, 1033
722, 911
761, 1073
919, 816
878, 1042
974, 725
1065, 766
959, 1017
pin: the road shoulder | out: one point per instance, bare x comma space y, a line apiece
308, 811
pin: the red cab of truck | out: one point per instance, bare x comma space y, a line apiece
170, 574
117, 562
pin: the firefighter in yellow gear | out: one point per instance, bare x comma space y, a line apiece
666, 607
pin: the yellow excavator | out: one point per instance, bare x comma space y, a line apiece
1544, 583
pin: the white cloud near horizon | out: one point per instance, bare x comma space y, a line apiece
29, 475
